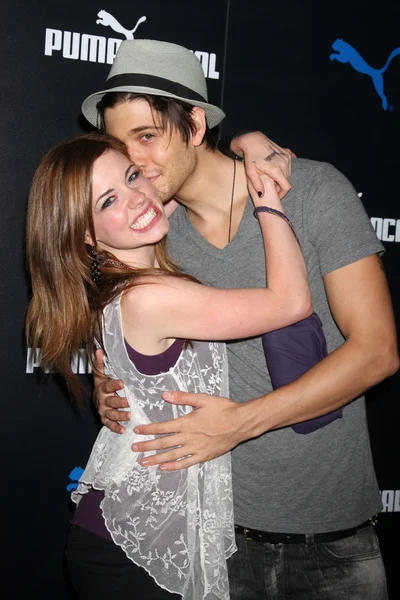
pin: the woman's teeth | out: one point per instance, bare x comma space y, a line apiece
145, 219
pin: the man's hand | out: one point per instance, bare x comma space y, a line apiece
107, 400
263, 156
215, 426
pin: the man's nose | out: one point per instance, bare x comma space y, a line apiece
137, 156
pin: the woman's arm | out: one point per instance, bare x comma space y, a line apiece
177, 308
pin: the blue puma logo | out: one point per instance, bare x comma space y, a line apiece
74, 476
347, 54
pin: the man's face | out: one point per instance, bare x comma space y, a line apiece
162, 156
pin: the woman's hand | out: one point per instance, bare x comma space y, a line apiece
270, 197
263, 156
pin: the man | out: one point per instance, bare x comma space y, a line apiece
303, 503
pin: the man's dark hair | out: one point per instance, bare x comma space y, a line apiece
174, 114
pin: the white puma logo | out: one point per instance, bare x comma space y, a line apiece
109, 21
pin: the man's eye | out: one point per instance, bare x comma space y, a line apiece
107, 202
147, 137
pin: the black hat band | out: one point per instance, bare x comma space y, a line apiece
151, 81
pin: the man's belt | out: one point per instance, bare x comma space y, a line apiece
298, 538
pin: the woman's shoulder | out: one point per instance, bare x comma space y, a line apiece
149, 293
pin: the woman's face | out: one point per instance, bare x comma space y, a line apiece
127, 212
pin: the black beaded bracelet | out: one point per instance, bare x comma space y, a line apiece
278, 213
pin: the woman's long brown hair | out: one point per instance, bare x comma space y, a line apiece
65, 310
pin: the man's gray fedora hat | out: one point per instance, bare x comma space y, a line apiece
160, 69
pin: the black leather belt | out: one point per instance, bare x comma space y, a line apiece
298, 538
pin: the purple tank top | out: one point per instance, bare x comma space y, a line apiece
88, 513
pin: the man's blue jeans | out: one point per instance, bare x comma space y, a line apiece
346, 569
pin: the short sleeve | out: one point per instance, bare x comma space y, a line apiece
337, 223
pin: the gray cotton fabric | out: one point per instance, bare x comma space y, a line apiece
283, 481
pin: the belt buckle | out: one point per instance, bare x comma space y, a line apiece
246, 534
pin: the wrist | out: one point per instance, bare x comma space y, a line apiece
225, 146
268, 200
276, 213
238, 148
252, 419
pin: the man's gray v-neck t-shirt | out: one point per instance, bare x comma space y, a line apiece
284, 481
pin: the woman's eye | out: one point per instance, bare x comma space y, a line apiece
147, 137
107, 202
133, 176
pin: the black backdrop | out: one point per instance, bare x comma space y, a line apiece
268, 65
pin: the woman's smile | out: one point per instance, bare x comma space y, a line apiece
147, 219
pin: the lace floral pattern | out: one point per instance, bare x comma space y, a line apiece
176, 525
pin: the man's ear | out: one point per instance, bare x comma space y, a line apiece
199, 120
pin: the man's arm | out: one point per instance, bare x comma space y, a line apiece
360, 302
261, 156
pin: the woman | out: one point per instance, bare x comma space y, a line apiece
100, 275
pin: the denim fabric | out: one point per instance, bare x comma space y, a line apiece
346, 569
100, 570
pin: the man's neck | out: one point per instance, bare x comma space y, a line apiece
209, 187
214, 196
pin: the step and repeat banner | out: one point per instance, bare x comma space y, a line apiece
323, 80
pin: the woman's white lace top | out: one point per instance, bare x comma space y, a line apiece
176, 525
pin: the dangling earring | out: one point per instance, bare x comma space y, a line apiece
95, 265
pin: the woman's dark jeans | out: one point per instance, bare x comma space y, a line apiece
100, 570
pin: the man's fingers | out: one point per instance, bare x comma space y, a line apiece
162, 428
283, 188
170, 460
184, 398
99, 360
178, 465
159, 443
106, 398
113, 414
280, 175
109, 408
111, 386
282, 184
115, 427
115, 402
291, 153
278, 171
